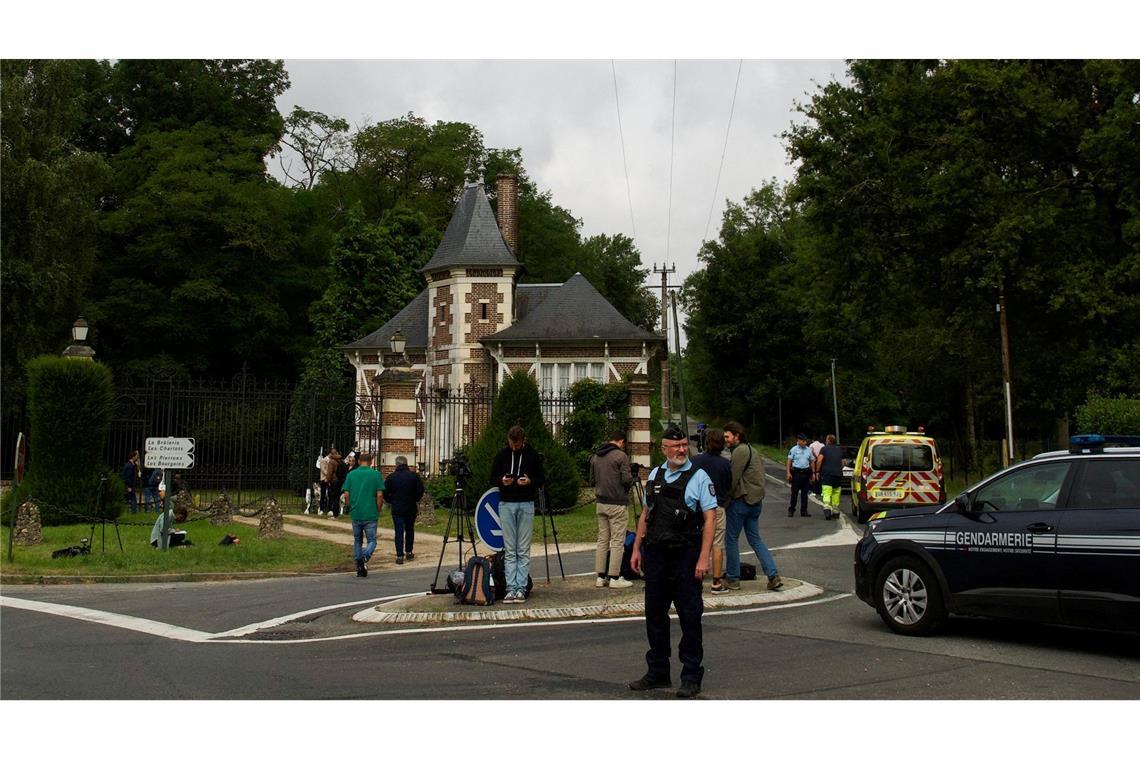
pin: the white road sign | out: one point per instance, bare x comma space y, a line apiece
170, 453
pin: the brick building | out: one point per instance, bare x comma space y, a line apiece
475, 323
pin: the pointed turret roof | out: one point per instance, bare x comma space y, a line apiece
574, 311
472, 237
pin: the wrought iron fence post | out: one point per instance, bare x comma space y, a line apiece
241, 430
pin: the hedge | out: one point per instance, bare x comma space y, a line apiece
69, 411
1109, 416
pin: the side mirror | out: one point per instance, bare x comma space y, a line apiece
962, 502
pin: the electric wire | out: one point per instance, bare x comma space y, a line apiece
625, 163
672, 134
724, 150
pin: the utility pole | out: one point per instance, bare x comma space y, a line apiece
666, 383
1006, 376
680, 369
834, 400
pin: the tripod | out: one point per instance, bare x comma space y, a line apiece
544, 515
458, 515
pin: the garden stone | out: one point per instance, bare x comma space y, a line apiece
29, 529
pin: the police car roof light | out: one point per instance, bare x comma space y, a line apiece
896, 428
1092, 443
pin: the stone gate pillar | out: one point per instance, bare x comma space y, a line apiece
638, 445
396, 387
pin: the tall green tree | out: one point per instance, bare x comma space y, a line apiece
49, 199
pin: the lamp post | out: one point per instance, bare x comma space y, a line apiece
396, 343
834, 400
79, 335
1007, 381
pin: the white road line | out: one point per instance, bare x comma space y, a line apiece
177, 633
142, 625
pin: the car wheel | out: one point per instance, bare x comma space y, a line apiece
908, 597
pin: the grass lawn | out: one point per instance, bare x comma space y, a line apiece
288, 554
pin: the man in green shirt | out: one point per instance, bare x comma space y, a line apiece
365, 490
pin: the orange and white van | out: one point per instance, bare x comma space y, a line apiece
896, 469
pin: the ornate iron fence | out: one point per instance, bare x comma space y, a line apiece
252, 438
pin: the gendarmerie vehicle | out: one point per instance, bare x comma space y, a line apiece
1054, 539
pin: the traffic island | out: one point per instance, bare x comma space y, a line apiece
574, 597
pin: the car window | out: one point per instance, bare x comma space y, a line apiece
1108, 484
1026, 489
902, 456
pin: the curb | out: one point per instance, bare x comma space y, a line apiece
628, 609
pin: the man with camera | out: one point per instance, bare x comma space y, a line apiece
676, 534
611, 477
517, 471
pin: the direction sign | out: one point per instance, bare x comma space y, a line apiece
170, 453
487, 522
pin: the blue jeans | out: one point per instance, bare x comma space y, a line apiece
741, 515
360, 529
405, 533
150, 495
517, 518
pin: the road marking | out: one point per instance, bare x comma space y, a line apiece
177, 633
142, 625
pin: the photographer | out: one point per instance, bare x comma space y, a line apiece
517, 471
611, 478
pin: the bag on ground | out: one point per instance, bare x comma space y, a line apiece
747, 571
498, 562
477, 588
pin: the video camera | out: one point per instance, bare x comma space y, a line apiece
457, 467
635, 469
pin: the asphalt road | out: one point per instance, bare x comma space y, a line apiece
831, 647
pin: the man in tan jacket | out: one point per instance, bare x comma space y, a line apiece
744, 510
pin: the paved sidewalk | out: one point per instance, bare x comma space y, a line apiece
572, 597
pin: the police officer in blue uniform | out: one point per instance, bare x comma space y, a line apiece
798, 473
673, 548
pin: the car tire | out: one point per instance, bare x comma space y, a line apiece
908, 597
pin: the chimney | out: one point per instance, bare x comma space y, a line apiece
507, 199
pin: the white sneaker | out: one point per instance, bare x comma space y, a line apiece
332, 516
620, 582
320, 513
306, 511
600, 583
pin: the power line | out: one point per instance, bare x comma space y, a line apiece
625, 164
672, 133
724, 150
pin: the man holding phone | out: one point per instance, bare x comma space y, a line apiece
517, 471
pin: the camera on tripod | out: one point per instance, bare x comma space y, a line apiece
457, 467
635, 469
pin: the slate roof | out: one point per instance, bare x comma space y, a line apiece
472, 237
575, 311
412, 321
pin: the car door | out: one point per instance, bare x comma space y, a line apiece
1098, 546
1000, 552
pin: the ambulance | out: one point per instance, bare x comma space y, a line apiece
896, 469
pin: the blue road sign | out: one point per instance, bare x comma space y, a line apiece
487, 522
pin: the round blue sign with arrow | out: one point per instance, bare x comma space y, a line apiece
487, 523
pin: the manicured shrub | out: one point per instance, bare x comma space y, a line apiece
1110, 416
517, 404
69, 408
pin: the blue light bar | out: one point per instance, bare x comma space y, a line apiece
1089, 443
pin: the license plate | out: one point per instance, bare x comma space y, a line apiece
889, 493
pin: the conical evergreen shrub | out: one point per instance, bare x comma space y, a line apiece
517, 404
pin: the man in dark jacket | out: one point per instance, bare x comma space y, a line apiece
719, 470
611, 478
517, 471
404, 489
131, 481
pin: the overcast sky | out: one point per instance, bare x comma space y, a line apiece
564, 117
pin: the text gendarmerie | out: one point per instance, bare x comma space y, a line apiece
993, 539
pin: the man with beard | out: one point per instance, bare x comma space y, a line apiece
676, 533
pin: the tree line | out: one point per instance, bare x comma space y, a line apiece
137, 194
924, 191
